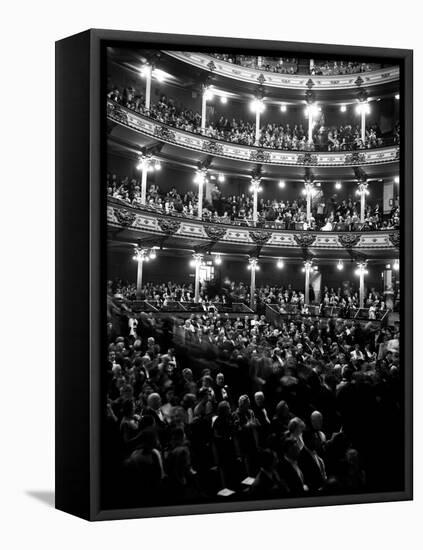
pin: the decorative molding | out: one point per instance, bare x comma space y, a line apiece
145, 220
259, 155
124, 217
168, 226
260, 237
215, 232
212, 147
291, 81
304, 239
277, 157
164, 132
308, 159
395, 239
348, 240
355, 158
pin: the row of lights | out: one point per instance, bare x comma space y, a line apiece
314, 110
154, 164
147, 254
144, 254
150, 163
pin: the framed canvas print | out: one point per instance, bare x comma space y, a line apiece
234, 274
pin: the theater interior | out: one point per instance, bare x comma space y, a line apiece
253, 277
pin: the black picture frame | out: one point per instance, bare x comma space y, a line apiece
80, 260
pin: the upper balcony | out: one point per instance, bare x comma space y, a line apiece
287, 81
132, 224
196, 142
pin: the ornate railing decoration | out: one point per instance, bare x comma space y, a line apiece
260, 237
215, 232
136, 220
395, 239
164, 133
348, 240
150, 127
355, 158
124, 217
308, 159
304, 240
169, 226
293, 81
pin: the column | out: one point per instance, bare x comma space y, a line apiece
361, 271
139, 258
255, 184
310, 123
206, 95
257, 136
198, 258
388, 290
201, 180
253, 266
144, 171
308, 265
362, 191
148, 69
309, 186
363, 123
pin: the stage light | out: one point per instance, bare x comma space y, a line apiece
316, 268
217, 259
257, 105
283, 108
279, 264
396, 265
397, 96
396, 179
157, 165
159, 75
282, 184
338, 185
145, 69
208, 94
192, 263
363, 107
340, 265
223, 99
343, 108
153, 254
312, 110
221, 178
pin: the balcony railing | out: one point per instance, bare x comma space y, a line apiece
125, 216
292, 81
219, 148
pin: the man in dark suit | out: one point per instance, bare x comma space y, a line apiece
289, 469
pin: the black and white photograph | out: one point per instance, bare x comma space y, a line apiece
252, 289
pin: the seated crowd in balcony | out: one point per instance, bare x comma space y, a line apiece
346, 299
345, 137
291, 66
195, 406
329, 215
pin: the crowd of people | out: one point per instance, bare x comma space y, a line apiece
344, 299
211, 407
327, 214
283, 65
341, 137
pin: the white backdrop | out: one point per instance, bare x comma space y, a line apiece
27, 37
